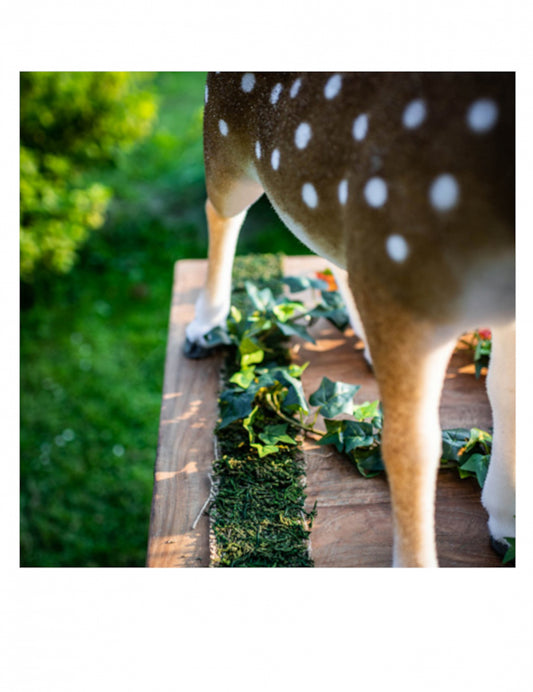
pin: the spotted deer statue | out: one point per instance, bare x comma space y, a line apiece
405, 181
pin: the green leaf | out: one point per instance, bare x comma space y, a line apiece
295, 399
262, 300
357, 435
267, 378
347, 435
477, 464
511, 551
235, 405
236, 314
264, 450
288, 310
297, 370
247, 423
292, 329
273, 434
334, 398
243, 378
369, 463
257, 325
302, 283
334, 434
366, 410
453, 440
250, 352
479, 437
333, 309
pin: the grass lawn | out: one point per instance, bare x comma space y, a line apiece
93, 346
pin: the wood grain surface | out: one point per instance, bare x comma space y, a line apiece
185, 449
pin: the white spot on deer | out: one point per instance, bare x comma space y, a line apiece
276, 91
414, 114
223, 127
343, 191
309, 195
444, 192
482, 115
360, 127
333, 86
206, 94
397, 248
295, 88
376, 192
258, 149
302, 135
275, 159
248, 82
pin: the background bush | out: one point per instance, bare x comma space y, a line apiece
70, 123
93, 339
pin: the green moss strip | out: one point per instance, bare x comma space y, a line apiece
258, 517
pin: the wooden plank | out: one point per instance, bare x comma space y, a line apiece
353, 527
185, 448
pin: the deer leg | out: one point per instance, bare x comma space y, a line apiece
341, 278
498, 495
410, 360
213, 303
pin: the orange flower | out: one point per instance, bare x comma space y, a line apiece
328, 277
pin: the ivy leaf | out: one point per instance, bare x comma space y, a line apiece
369, 463
262, 300
236, 314
333, 309
273, 434
250, 352
357, 435
235, 405
302, 283
348, 435
288, 310
479, 437
247, 423
334, 434
453, 441
292, 329
334, 398
257, 325
478, 465
243, 378
295, 399
511, 551
267, 378
264, 450
367, 410
297, 370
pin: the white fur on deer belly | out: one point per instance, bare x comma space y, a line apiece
321, 247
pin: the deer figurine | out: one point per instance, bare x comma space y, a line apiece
405, 181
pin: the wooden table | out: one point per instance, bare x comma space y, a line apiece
353, 525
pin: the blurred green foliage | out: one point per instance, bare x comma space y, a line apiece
93, 343
71, 122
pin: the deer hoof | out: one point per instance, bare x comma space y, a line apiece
196, 351
501, 547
